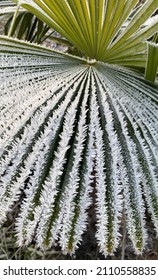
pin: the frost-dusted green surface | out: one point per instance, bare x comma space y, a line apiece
66, 128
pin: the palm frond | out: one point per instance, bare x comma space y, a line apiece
152, 62
73, 134
95, 27
21, 24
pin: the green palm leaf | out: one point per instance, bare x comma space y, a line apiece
95, 27
20, 23
152, 62
69, 129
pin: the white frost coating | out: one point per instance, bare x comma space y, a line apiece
36, 159
67, 201
145, 107
40, 151
116, 188
27, 107
56, 170
30, 89
150, 154
143, 114
137, 183
137, 174
85, 198
58, 114
21, 107
149, 148
101, 203
140, 99
19, 146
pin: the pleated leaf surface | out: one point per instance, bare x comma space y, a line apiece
95, 27
73, 135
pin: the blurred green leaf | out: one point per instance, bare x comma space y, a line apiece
152, 62
22, 24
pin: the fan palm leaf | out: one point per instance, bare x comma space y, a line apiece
76, 132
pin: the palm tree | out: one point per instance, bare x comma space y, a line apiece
81, 130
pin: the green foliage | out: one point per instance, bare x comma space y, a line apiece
152, 62
27, 27
95, 27
77, 132
22, 24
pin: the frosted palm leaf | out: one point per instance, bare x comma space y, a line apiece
74, 134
